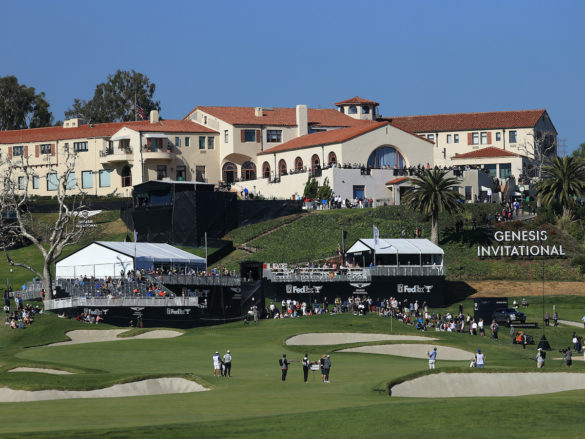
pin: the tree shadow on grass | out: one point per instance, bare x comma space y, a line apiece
467, 237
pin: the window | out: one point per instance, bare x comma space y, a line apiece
359, 192
431, 137
352, 110
315, 162
282, 167
365, 109
505, 170
52, 181
79, 146
210, 143
71, 182
161, 172
181, 173
266, 170
230, 172
341, 109
455, 138
86, 179
21, 183
449, 138
177, 141
248, 171
475, 139
274, 136
126, 176
512, 136
105, 178
491, 168
249, 136
17, 151
201, 142
66, 147
200, 174
385, 157
35, 181
226, 135
484, 137
498, 137
45, 149
187, 141
298, 164
332, 159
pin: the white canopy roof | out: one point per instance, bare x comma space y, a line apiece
397, 246
148, 251
155, 135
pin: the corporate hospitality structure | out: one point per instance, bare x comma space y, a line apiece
272, 151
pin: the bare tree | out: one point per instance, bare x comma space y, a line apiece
540, 149
17, 222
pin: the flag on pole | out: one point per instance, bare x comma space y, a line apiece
376, 236
141, 113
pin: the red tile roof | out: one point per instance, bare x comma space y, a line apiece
326, 137
397, 181
467, 121
98, 130
278, 116
488, 152
357, 101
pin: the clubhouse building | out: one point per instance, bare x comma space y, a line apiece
273, 151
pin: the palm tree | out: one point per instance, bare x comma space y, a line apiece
432, 194
563, 181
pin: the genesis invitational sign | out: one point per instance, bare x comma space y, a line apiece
520, 243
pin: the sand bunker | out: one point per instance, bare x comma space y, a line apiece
140, 388
445, 385
94, 336
413, 351
40, 370
330, 338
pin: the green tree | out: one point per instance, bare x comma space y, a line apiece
324, 192
21, 107
311, 188
114, 100
563, 181
579, 153
431, 195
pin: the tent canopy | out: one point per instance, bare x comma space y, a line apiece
397, 246
110, 259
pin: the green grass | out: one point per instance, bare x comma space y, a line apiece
254, 402
316, 236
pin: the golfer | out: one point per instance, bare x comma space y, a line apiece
283, 366
217, 364
306, 365
432, 358
540, 355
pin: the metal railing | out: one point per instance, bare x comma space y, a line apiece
352, 275
182, 279
408, 270
75, 302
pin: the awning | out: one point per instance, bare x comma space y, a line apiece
120, 137
397, 246
155, 136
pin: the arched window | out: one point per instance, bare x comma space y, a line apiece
298, 164
126, 176
315, 162
266, 170
332, 158
230, 171
365, 109
248, 171
282, 167
352, 110
385, 157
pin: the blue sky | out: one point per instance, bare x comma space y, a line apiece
414, 57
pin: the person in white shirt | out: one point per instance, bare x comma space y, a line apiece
479, 359
227, 364
216, 364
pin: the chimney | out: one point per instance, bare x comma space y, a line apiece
302, 120
154, 116
258, 112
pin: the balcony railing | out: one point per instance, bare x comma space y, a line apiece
74, 302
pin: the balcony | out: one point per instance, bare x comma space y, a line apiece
158, 153
116, 155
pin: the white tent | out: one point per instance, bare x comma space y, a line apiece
399, 251
109, 259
